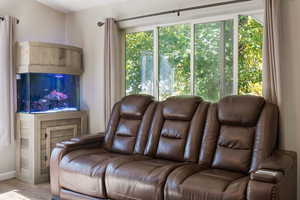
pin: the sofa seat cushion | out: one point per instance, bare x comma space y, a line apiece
143, 179
83, 170
195, 182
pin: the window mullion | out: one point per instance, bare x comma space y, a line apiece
235, 54
192, 59
222, 61
123, 63
156, 63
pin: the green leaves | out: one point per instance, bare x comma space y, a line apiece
214, 59
139, 62
250, 56
174, 63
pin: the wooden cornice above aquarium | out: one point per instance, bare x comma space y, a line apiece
39, 57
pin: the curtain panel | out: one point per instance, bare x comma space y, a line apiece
271, 69
112, 66
7, 80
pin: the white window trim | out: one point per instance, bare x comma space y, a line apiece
154, 28
155, 63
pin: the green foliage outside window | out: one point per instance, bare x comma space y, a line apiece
213, 46
174, 60
250, 56
214, 60
139, 63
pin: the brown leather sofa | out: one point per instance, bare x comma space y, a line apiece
180, 149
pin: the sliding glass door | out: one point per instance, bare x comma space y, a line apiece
208, 59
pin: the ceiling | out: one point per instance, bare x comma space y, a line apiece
76, 5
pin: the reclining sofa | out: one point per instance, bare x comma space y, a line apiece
180, 149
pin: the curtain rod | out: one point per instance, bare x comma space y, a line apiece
2, 18
178, 11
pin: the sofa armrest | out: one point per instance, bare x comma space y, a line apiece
280, 160
89, 138
274, 168
275, 178
62, 148
267, 176
83, 141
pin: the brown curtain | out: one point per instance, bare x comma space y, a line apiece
271, 69
7, 81
112, 66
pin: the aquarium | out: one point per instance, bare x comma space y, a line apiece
44, 93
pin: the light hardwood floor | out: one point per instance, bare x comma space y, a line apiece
17, 190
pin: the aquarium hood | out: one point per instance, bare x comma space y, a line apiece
39, 57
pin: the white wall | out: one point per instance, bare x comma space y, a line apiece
81, 30
37, 23
290, 77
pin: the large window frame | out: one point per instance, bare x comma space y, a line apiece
192, 23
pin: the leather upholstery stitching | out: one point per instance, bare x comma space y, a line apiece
234, 148
159, 135
169, 135
274, 193
184, 179
78, 156
123, 135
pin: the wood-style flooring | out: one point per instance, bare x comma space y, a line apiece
17, 190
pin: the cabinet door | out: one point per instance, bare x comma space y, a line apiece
55, 135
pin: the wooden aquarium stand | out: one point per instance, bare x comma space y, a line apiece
36, 136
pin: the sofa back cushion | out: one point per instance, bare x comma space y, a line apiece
177, 129
238, 134
127, 130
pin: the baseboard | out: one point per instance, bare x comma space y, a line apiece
7, 175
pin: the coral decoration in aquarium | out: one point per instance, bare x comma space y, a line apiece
44, 93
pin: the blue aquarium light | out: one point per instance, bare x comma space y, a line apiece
59, 75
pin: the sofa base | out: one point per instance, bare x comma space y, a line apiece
70, 195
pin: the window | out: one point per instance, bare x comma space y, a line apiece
139, 63
174, 60
209, 59
214, 59
250, 56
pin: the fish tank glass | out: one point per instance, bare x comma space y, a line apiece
46, 93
